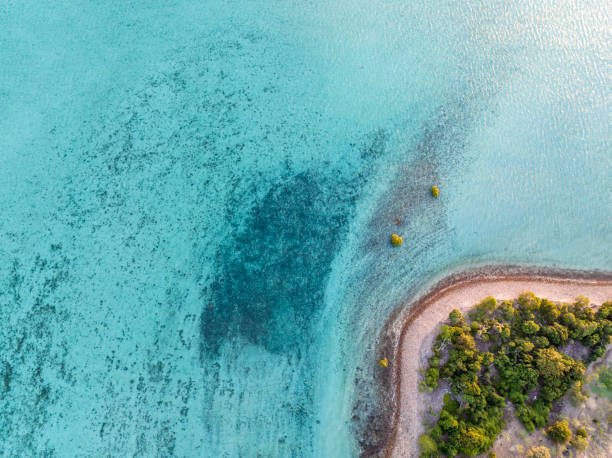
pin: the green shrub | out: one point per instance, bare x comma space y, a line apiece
569, 320
542, 341
559, 432
581, 303
431, 377
507, 310
597, 352
552, 364
530, 327
592, 340
534, 415
549, 311
583, 329
538, 452
604, 311
579, 442
557, 334
472, 442
456, 317
428, 447
578, 396
447, 421
605, 378
483, 309
529, 302
450, 405
524, 345
396, 240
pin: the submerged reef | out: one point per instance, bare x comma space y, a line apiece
517, 351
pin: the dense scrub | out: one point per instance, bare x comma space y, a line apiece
509, 351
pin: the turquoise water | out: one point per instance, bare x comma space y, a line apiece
197, 198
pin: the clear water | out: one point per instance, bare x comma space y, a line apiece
197, 197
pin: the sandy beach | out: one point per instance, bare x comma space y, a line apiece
419, 328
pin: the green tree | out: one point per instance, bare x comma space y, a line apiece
605, 311
557, 334
530, 327
447, 421
508, 310
428, 447
549, 311
528, 302
483, 309
431, 377
569, 320
542, 341
559, 432
551, 363
472, 442
455, 317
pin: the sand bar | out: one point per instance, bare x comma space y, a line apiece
463, 291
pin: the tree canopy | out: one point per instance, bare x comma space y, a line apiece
509, 351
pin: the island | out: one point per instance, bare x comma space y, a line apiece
557, 400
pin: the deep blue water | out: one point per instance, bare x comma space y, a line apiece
197, 198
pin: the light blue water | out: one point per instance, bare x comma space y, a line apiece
197, 196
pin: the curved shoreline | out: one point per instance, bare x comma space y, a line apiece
392, 338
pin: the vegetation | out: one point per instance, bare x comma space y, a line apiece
435, 191
605, 378
579, 443
602, 385
396, 240
580, 439
577, 395
538, 452
559, 432
510, 351
428, 447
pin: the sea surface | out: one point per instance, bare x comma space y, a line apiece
196, 200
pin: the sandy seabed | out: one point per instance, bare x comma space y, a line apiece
416, 330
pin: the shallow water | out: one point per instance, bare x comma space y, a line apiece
197, 199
